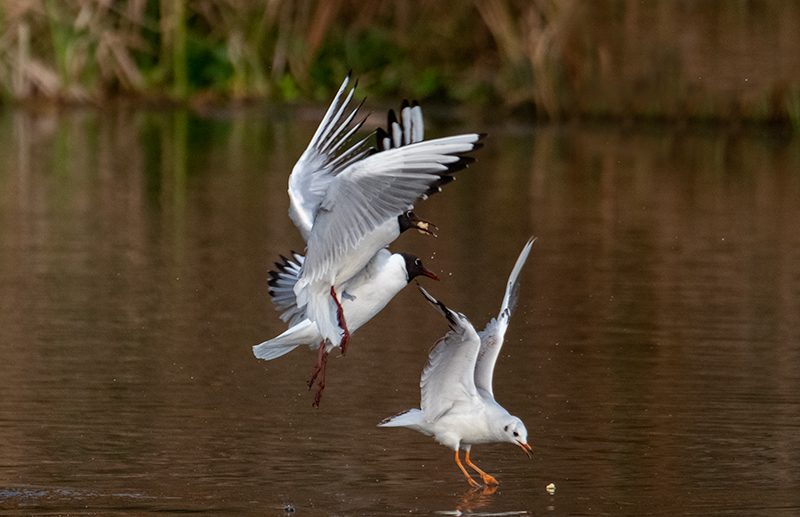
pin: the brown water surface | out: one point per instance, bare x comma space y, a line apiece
654, 355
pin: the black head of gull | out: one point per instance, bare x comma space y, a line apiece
408, 220
414, 267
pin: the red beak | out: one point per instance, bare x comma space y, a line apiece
429, 274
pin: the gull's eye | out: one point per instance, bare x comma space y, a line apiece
516, 433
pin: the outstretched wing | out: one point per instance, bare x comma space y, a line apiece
492, 336
281, 288
376, 189
447, 380
323, 159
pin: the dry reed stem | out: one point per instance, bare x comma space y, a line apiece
618, 58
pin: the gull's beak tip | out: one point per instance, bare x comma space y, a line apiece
425, 227
430, 275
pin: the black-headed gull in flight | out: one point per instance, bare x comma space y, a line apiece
458, 407
363, 296
349, 204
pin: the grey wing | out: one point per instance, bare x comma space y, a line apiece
376, 189
493, 335
447, 380
281, 288
323, 159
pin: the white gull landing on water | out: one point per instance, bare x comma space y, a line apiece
458, 407
350, 204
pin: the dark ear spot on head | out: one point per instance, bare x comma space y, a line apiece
505, 428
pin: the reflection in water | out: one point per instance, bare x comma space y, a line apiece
654, 354
475, 499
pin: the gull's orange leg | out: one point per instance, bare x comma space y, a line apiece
489, 480
342, 322
471, 481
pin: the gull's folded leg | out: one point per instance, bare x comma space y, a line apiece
342, 322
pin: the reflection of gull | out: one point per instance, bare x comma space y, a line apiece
349, 204
458, 407
362, 298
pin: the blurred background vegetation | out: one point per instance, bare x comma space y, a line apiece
659, 59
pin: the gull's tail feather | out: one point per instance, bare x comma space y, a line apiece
304, 333
269, 350
412, 419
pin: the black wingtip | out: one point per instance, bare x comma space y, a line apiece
380, 135
447, 313
436, 186
282, 264
466, 160
282, 267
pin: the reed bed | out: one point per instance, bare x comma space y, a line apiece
712, 60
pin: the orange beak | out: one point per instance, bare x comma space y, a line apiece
526, 448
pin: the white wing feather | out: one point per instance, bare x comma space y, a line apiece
322, 160
447, 380
376, 189
493, 335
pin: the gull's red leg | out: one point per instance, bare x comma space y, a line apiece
319, 367
319, 371
321, 383
342, 322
